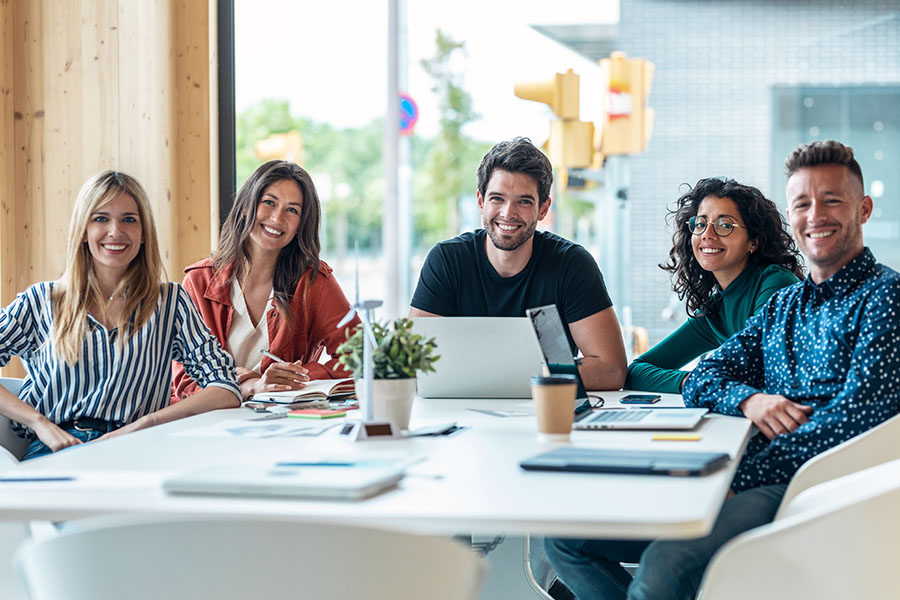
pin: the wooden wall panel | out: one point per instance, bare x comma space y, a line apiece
8, 205
192, 76
27, 92
147, 97
87, 85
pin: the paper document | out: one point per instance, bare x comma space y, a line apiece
236, 428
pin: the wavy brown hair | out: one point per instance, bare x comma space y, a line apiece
295, 258
78, 288
764, 223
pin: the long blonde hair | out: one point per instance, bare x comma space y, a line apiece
78, 287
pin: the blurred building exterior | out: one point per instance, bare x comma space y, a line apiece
737, 86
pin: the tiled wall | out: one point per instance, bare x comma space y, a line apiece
716, 63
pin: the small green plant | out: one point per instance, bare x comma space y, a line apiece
399, 352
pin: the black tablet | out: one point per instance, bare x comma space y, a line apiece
640, 462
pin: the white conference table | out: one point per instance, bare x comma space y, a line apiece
467, 482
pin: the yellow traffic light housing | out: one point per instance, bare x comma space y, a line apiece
570, 142
627, 121
560, 93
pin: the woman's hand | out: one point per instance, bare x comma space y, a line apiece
142, 423
245, 374
281, 377
53, 436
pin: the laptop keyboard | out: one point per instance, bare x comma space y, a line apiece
619, 416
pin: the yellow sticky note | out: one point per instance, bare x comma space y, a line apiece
677, 437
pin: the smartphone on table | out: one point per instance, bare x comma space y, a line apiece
640, 399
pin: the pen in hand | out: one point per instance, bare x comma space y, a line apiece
276, 358
272, 356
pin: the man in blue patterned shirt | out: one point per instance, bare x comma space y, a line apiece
818, 364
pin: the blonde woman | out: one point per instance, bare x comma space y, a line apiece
98, 344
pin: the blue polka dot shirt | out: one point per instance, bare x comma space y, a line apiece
834, 346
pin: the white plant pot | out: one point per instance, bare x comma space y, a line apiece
393, 399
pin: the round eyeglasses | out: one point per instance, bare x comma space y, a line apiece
723, 228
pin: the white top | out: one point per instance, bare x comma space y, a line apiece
245, 341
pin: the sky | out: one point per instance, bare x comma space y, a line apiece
330, 58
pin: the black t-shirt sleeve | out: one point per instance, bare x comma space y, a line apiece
582, 289
437, 291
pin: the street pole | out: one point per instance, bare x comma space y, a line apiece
389, 234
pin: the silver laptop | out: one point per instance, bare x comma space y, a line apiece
481, 357
348, 483
640, 418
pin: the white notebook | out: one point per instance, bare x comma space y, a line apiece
350, 483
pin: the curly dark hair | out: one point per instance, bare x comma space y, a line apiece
764, 224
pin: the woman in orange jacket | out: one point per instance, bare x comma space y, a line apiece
265, 288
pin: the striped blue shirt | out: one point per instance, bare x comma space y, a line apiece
110, 382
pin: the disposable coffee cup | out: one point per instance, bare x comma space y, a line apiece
554, 405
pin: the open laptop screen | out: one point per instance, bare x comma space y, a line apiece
555, 350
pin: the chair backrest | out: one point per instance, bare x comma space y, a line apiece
224, 558
842, 543
15, 445
879, 445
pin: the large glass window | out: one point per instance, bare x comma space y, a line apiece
736, 86
311, 85
865, 117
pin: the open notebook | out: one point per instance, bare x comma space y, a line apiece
319, 389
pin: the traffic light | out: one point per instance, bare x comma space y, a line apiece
570, 143
627, 122
560, 93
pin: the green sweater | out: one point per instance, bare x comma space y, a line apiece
657, 370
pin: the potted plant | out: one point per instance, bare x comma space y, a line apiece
398, 355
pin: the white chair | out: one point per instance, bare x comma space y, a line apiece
876, 446
218, 557
11, 444
837, 540
12, 533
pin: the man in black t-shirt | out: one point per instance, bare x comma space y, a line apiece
507, 267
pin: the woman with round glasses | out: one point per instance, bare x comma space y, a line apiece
730, 253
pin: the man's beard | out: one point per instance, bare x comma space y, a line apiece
509, 242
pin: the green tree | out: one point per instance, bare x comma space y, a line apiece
268, 116
448, 169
